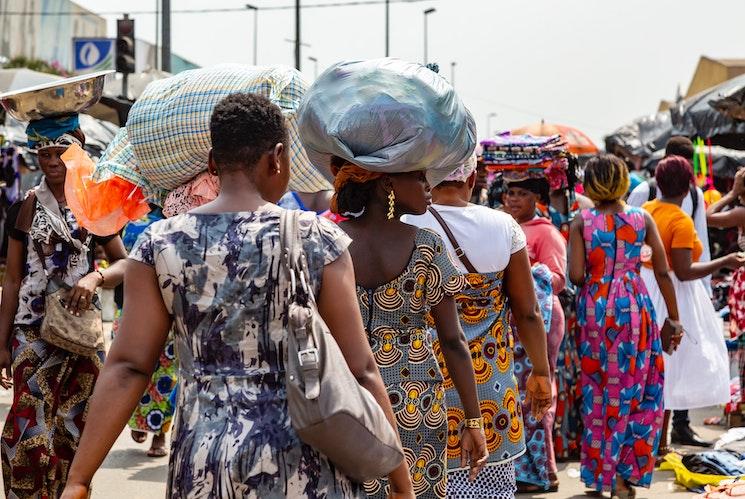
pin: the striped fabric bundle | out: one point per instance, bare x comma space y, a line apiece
168, 127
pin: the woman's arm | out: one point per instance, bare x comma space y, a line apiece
529, 322
337, 304
732, 218
129, 365
687, 270
82, 293
460, 367
659, 265
9, 305
576, 252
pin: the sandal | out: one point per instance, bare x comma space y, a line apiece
138, 436
157, 447
629, 493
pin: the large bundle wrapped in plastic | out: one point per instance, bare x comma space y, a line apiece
168, 126
386, 115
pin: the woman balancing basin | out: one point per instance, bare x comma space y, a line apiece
48, 249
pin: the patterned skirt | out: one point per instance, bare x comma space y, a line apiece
496, 481
420, 410
51, 389
154, 413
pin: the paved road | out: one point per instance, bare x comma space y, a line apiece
128, 473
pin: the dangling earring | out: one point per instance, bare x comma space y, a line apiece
391, 205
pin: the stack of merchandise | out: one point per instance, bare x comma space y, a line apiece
520, 157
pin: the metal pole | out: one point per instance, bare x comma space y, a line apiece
125, 76
452, 74
297, 35
256, 35
156, 64
314, 60
425, 37
387, 26
165, 57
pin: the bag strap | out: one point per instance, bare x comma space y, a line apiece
694, 200
300, 311
26, 213
652, 183
458, 250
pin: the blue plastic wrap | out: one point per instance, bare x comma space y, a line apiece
386, 115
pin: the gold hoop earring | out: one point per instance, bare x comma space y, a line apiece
391, 205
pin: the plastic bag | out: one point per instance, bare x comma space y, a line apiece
102, 207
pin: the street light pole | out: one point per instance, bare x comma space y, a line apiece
165, 55
426, 14
297, 35
387, 27
488, 123
256, 29
314, 60
452, 74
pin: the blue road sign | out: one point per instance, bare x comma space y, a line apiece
93, 54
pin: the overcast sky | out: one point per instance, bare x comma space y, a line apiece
593, 64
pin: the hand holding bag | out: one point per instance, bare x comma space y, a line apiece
329, 410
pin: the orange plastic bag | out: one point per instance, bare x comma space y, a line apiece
101, 207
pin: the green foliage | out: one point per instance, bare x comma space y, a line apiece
36, 65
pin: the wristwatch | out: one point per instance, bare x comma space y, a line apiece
474, 423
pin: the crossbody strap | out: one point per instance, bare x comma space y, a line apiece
458, 250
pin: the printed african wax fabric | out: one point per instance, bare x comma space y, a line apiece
394, 318
51, 388
220, 281
620, 352
532, 467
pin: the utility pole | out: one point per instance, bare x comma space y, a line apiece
297, 35
452, 74
156, 64
314, 60
165, 57
387, 27
426, 15
256, 29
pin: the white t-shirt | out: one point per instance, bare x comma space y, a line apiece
488, 237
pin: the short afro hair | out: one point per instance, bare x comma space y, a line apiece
243, 127
674, 176
680, 146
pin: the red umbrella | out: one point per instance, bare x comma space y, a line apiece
577, 141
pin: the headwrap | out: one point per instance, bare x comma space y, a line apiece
388, 116
53, 132
350, 173
464, 170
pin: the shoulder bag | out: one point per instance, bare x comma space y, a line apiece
81, 335
328, 408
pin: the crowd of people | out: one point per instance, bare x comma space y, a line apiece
500, 323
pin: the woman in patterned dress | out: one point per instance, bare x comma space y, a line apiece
51, 386
537, 469
498, 286
621, 346
154, 412
213, 272
382, 127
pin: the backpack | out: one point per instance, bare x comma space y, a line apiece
652, 182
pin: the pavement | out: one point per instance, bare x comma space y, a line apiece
128, 473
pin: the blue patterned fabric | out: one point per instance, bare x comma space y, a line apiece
219, 279
46, 131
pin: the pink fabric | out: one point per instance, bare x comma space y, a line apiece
198, 191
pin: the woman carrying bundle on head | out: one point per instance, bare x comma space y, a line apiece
406, 281
50, 252
536, 469
620, 342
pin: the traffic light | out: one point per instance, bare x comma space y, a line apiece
125, 45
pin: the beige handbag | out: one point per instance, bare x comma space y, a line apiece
81, 335
329, 410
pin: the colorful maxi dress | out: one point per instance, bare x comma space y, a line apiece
220, 281
484, 316
620, 353
394, 318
